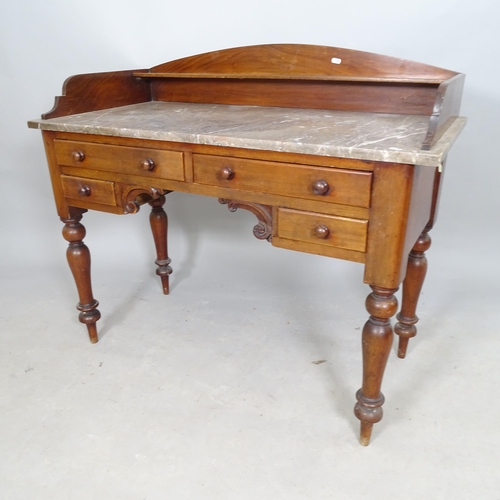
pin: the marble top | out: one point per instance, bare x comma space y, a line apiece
346, 134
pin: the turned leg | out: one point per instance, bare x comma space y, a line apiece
79, 262
159, 226
377, 341
412, 285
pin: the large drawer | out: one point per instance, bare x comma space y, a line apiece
318, 229
345, 187
122, 159
93, 190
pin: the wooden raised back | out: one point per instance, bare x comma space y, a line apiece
282, 75
296, 61
275, 75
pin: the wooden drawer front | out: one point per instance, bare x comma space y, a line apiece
346, 187
79, 188
309, 227
136, 161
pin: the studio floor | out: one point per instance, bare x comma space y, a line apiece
240, 384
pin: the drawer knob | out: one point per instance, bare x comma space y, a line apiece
78, 155
320, 187
84, 191
226, 173
148, 164
321, 232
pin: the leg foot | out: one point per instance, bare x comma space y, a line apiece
369, 412
78, 256
412, 286
403, 343
159, 226
376, 341
365, 433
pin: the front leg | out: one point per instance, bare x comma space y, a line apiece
159, 227
412, 286
78, 256
377, 341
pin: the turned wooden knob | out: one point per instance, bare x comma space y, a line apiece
84, 191
226, 173
320, 187
321, 232
148, 164
78, 155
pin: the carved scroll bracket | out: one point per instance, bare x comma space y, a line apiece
262, 230
133, 197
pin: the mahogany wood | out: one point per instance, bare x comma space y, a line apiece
446, 106
412, 286
436, 193
55, 175
389, 211
322, 231
92, 92
338, 232
344, 187
302, 60
263, 230
318, 248
79, 262
320, 187
133, 160
376, 342
290, 76
132, 197
222, 192
233, 152
102, 192
408, 98
159, 226
363, 211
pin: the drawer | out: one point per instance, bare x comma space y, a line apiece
93, 190
308, 227
122, 159
345, 187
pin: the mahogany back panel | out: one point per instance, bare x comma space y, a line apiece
299, 60
324, 77
343, 96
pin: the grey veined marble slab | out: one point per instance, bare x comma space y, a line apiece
365, 136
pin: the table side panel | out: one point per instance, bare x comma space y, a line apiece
391, 196
421, 204
96, 91
55, 174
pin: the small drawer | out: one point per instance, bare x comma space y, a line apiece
318, 229
335, 185
95, 191
122, 159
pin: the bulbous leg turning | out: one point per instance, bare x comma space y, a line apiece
412, 286
78, 256
376, 343
159, 226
